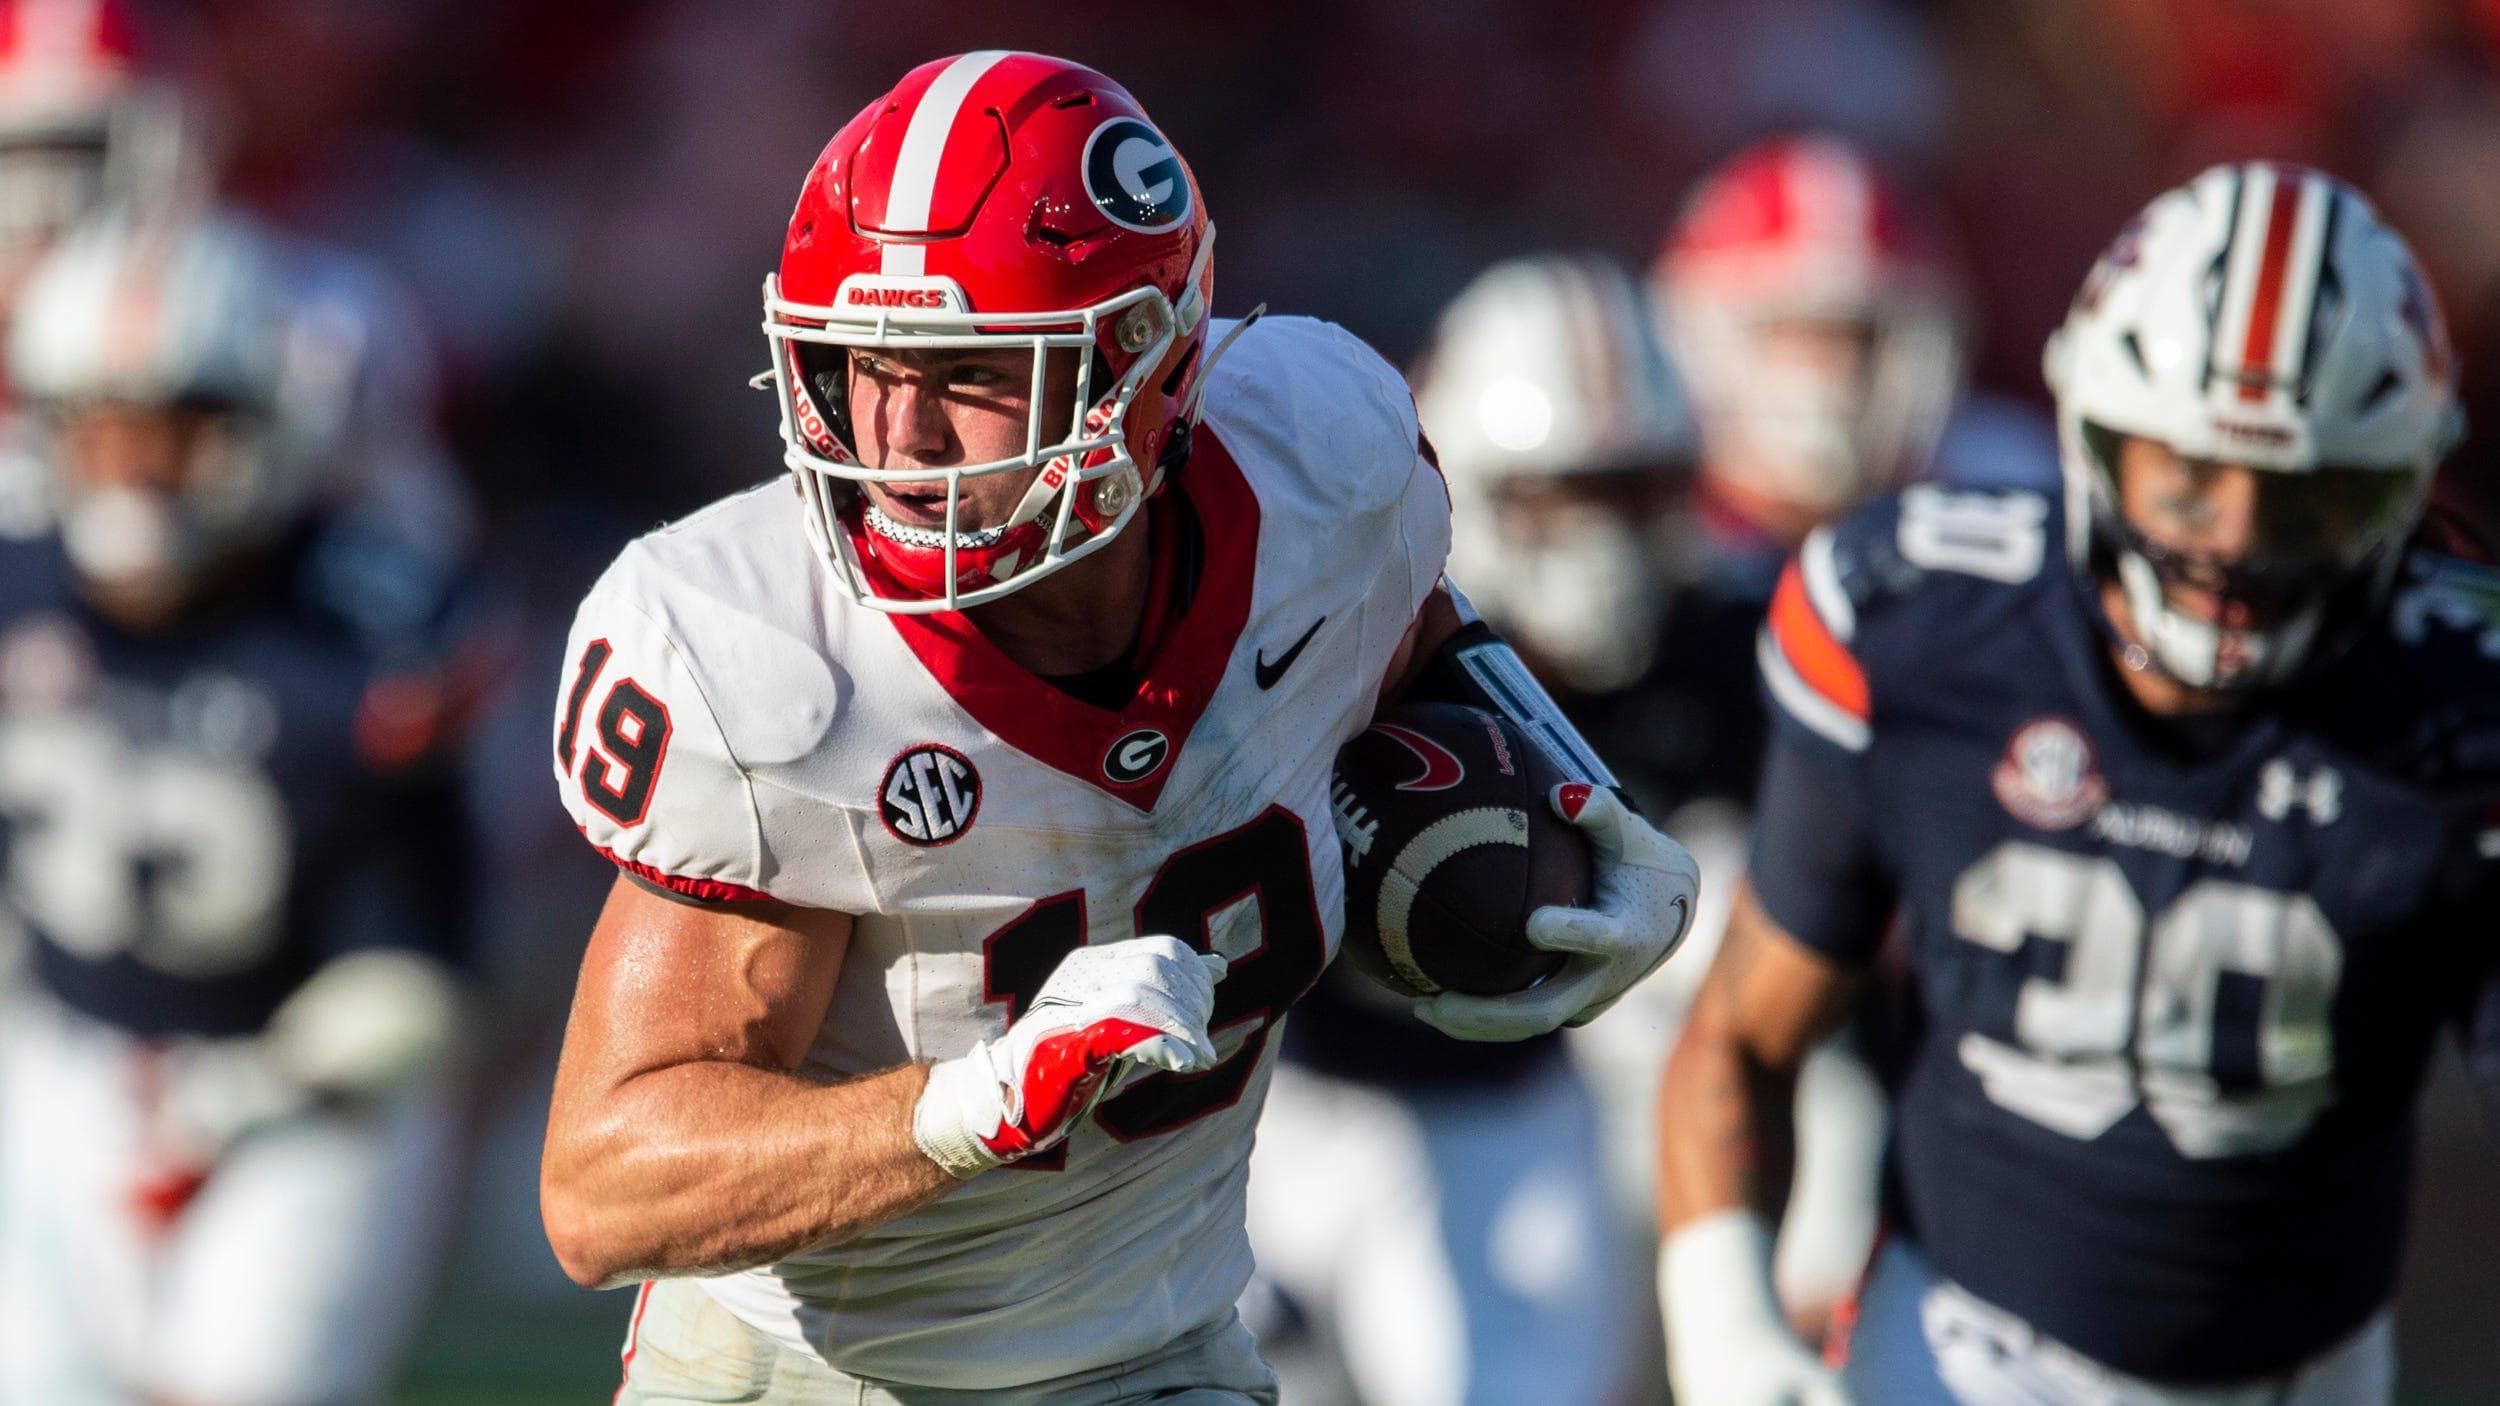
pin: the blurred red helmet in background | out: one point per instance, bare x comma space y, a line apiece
83, 120
1792, 238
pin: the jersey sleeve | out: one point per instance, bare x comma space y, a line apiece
1419, 531
1813, 859
640, 758
1412, 527
1814, 682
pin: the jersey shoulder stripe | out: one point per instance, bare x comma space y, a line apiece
1867, 598
1806, 661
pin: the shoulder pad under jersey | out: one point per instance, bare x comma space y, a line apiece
678, 680
1905, 574
1311, 411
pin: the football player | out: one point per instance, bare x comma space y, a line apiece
1816, 305
86, 123
1472, 1260
971, 785
230, 827
2181, 792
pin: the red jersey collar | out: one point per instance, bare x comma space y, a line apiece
1130, 753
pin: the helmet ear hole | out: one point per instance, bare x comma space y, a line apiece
824, 379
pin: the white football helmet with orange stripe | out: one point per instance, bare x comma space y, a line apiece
1566, 441
191, 320
2259, 316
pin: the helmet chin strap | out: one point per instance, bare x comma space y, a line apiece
2191, 650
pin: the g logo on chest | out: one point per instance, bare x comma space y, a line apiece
1136, 755
930, 795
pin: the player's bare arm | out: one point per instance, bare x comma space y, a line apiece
1727, 1152
682, 1137
1726, 1135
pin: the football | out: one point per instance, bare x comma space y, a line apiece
1450, 843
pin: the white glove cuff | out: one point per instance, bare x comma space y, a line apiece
1714, 1282
962, 1095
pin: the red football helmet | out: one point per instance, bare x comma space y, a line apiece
1797, 234
82, 120
993, 200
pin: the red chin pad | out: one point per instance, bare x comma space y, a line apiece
906, 571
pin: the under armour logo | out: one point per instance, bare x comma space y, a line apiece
2281, 789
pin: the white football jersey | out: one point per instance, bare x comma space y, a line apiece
732, 724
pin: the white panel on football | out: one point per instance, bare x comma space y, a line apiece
1452, 834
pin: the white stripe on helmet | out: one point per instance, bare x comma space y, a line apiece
916, 163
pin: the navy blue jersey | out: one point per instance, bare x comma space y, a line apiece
2172, 992
194, 817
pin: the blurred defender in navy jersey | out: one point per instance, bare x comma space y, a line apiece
1434, 1211
2180, 791
1817, 309
228, 826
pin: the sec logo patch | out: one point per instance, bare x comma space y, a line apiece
2048, 778
931, 794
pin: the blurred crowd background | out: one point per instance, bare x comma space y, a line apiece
584, 196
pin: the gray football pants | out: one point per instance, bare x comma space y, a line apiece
686, 1350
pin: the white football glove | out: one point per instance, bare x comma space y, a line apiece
1143, 1000
1639, 914
1727, 1343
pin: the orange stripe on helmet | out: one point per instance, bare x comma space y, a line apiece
1823, 662
2257, 368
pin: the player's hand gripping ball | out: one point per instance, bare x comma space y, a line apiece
1449, 846
1506, 899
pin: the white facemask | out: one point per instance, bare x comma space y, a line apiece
1588, 603
130, 537
2202, 654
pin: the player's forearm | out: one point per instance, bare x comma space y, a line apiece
712, 1166
1727, 1136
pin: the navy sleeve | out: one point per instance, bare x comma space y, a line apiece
1812, 857
2481, 1035
402, 878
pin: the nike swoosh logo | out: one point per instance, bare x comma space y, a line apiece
1442, 768
1267, 674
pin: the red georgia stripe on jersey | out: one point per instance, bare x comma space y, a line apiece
633, 1339
1182, 676
709, 890
2265, 306
1062, 1075
1821, 661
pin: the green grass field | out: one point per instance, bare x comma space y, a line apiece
494, 1353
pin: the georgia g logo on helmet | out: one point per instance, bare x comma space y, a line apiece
1135, 177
